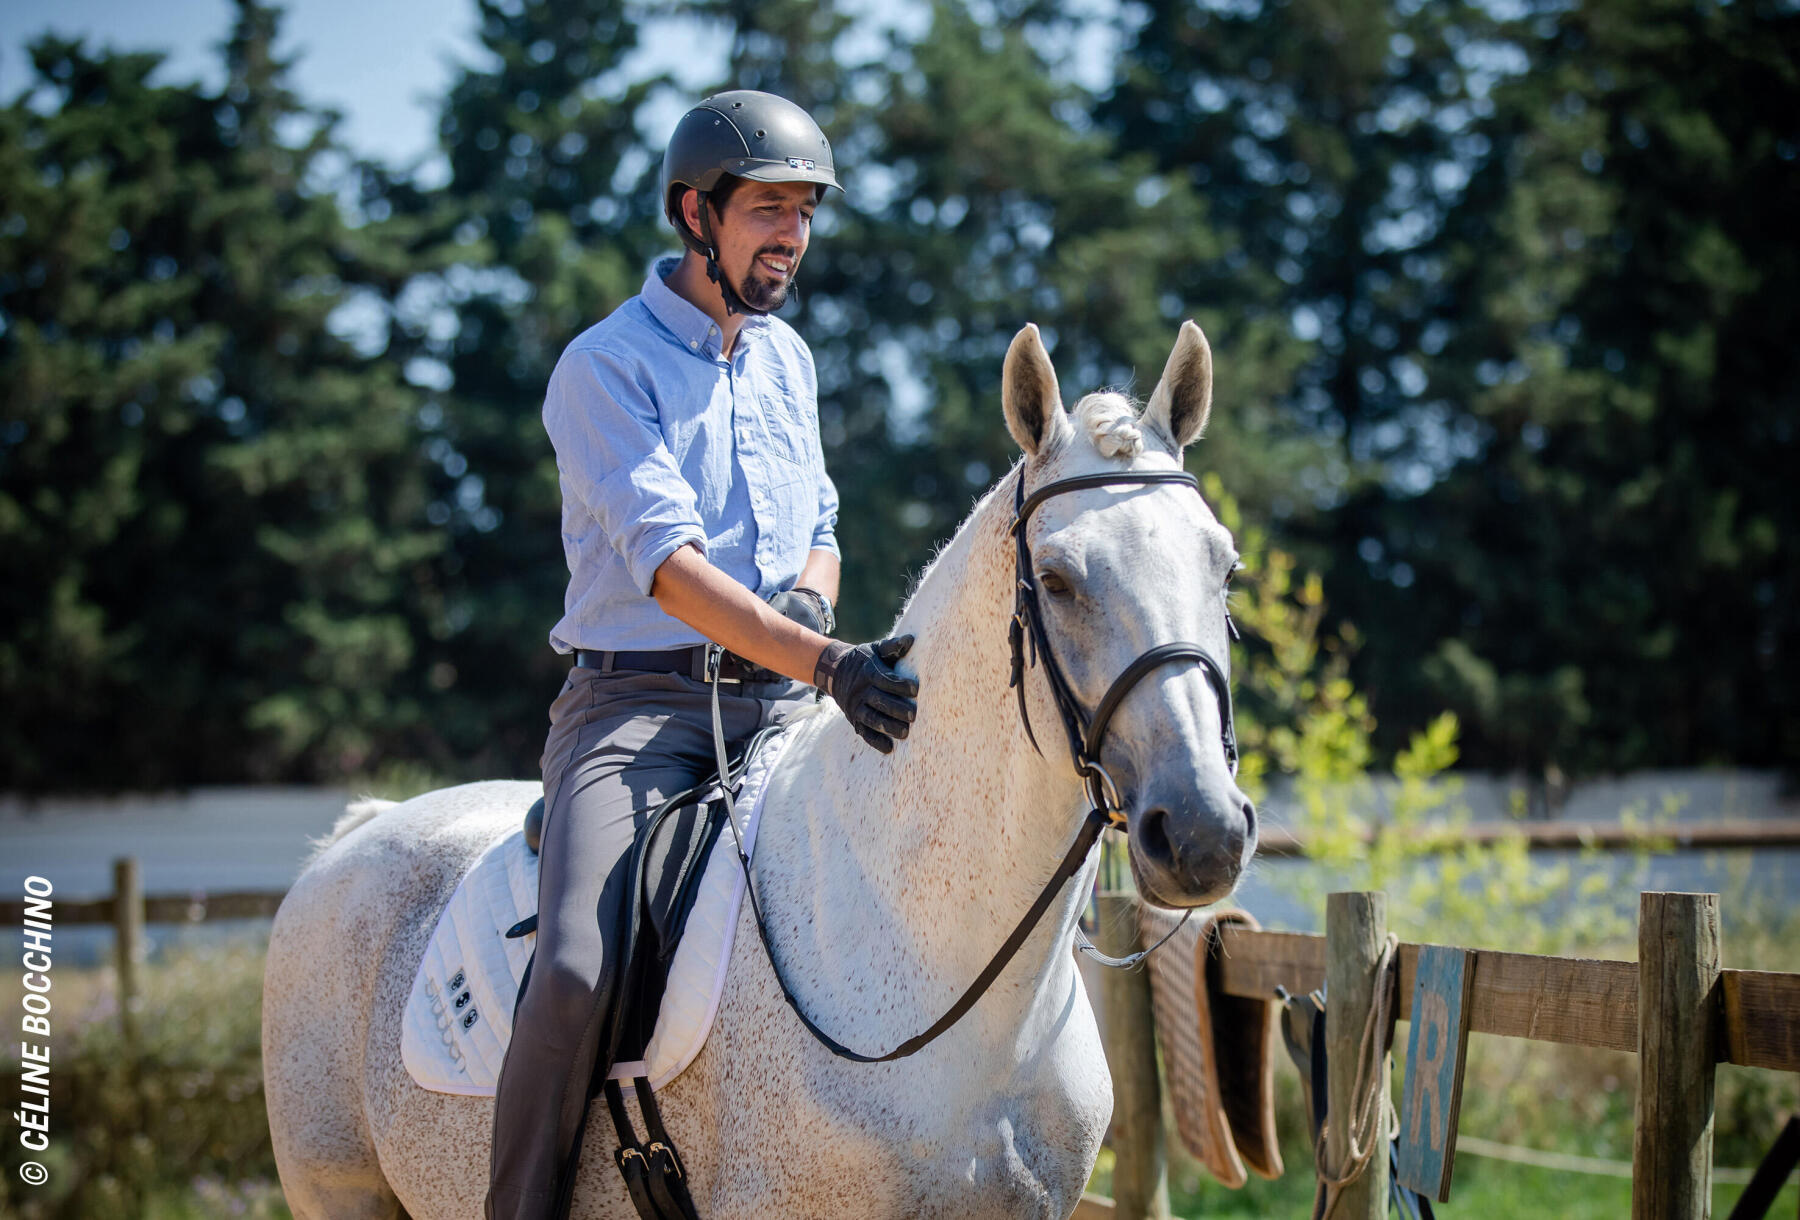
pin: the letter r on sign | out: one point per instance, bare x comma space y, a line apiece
1434, 1035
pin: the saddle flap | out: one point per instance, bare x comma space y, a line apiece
671, 857
483, 942
677, 852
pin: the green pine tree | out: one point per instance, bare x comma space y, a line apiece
552, 195
1611, 582
212, 527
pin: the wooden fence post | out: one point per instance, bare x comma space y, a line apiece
1140, 1181
128, 939
1678, 969
1355, 932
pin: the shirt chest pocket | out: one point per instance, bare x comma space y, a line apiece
787, 421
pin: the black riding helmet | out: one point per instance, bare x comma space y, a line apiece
749, 135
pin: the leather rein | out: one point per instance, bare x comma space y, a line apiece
1086, 736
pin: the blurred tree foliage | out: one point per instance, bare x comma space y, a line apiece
1547, 264
1501, 297
214, 557
551, 220
1612, 579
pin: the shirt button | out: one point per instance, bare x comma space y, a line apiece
693, 343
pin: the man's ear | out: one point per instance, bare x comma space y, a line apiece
690, 210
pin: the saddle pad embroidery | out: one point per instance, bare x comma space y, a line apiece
458, 1017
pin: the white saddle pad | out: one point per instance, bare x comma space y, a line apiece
458, 1017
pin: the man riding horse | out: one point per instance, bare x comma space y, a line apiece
696, 513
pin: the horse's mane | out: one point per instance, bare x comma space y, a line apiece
1110, 419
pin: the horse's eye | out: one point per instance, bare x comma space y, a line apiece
1233, 570
1053, 584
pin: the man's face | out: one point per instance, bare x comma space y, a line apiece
761, 236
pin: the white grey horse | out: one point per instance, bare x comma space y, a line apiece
888, 882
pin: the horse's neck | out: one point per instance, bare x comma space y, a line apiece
890, 881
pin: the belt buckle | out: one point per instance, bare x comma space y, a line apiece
715, 658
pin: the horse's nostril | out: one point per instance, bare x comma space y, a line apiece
1249, 818
1152, 836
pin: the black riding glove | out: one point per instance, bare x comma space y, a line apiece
878, 701
806, 607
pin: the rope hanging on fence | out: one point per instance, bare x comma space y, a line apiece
1373, 1122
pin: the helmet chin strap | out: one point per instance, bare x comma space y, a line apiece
709, 250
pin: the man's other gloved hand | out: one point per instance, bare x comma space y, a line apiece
878, 701
805, 607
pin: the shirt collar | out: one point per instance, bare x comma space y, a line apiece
686, 320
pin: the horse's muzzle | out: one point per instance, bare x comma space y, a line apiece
1189, 849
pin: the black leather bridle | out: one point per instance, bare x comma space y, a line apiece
1087, 734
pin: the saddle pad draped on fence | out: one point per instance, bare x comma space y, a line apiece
458, 1017
1218, 1049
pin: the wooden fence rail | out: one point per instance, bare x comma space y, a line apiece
1674, 1008
1728, 834
1572, 1000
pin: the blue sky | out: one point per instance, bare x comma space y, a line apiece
377, 62
384, 63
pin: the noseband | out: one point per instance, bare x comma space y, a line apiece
1087, 736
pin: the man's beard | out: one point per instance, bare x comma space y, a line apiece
765, 295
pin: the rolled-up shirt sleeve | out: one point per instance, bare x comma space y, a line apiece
611, 456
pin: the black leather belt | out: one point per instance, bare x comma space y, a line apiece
689, 661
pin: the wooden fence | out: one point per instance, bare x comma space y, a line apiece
1725, 834
1674, 1007
128, 910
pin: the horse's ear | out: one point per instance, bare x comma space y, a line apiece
1029, 394
1183, 397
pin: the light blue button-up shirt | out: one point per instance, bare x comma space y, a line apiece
660, 441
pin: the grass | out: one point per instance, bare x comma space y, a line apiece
170, 1126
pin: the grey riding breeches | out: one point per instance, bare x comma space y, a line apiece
619, 744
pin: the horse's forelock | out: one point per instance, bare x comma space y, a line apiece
1110, 420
